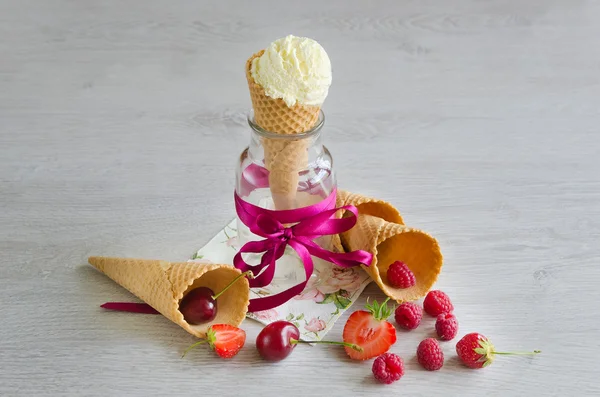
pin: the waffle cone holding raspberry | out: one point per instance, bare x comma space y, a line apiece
381, 231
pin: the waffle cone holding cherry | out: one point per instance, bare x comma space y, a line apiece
165, 286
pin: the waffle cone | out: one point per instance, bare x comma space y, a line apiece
370, 206
380, 231
163, 284
284, 158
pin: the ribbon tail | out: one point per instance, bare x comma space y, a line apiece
270, 302
240, 264
267, 263
273, 301
342, 259
325, 223
350, 259
254, 247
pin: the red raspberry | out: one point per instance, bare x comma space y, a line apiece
388, 368
430, 354
408, 315
400, 276
436, 303
446, 326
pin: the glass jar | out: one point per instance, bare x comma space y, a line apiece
283, 172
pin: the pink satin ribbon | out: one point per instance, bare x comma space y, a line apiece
309, 223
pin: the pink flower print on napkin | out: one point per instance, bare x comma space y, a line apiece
340, 279
232, 241
267, 315
312, 294
315, 325
336, 287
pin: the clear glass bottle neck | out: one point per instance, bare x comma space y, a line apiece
309, 140
285, 171
256, 149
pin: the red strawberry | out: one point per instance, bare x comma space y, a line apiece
476, 351
370, 330
226, 340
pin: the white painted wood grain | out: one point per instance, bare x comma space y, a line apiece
120, 123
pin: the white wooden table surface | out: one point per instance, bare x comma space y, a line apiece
120, 124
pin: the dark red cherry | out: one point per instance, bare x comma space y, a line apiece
199, 306
274, 342
277, 340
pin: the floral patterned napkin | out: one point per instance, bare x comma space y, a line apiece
330, 292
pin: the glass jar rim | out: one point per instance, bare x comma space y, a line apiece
273, 135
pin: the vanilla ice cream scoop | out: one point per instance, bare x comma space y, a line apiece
295, 69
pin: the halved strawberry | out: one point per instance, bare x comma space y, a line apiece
370, 330
226, 340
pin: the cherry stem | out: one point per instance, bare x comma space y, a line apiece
193, 346
518, 353
248, 274
328, 342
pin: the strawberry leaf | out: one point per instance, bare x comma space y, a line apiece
380, 311
211, 337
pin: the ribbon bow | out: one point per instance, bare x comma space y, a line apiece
309, 223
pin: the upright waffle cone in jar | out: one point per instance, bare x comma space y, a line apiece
380, 231
284, 158
163, 284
